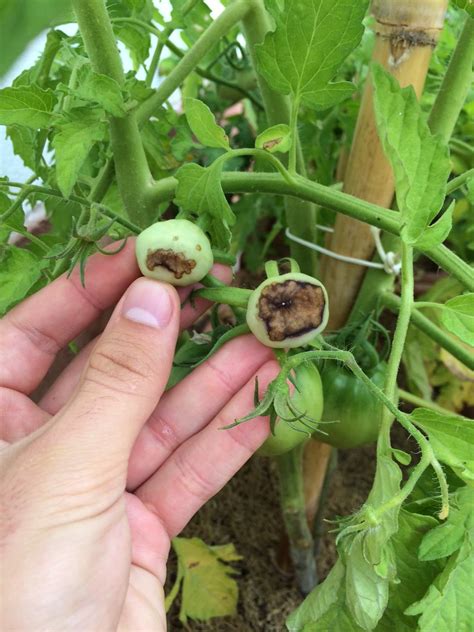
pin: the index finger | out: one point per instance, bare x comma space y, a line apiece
35, 330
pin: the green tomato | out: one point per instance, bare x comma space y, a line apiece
288, 311
355, 414
175, 251
307, 398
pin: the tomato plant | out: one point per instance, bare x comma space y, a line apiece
324, 163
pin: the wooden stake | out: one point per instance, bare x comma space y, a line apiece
406, 33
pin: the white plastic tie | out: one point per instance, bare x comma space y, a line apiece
390, 260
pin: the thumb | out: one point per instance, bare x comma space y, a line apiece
124, 378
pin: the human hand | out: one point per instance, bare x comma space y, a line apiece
107, 467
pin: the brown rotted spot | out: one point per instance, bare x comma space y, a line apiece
290, 309
270, 144
173, 261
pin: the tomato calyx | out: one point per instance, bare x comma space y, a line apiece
279, 402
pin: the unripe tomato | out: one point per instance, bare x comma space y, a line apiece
175, 251
356, 413
288, 310
307, 398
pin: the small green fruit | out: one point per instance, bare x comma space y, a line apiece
288, 311
175, 251
307, 399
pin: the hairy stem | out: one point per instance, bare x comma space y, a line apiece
294, 515
134, 228
427, 455
103, 181
222, 25
430, 329
131, 167
457, 183
420, 402
163, 40
301, 216
456, 84
234, 182
21, 197
399, 338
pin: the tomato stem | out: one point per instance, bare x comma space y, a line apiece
456, 84
330, 198
421, 402
294, 515
457, 183
398, 343
430, 329
219, 27
427, 454
131, 166
301, 215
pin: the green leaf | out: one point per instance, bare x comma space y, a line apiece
275, 139
194, 22
467, 5
100, 89
414, 357
311, 41
136, 40
448, 537
447, 605
27, 105
22, 20
451, 437
199, 193
324, 608
72, 143
401, 456
366, 591
438, 232
208, 589
470, 190
420, 160
413, 578
19, 271
332, 95
368, 555
24, 141
203, 124
15, 221
458, 317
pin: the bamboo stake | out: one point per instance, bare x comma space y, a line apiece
406, 32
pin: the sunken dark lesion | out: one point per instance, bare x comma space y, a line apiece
291, 309
175, 262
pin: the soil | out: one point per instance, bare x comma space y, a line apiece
246, 512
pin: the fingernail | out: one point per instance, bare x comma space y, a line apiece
148, 303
